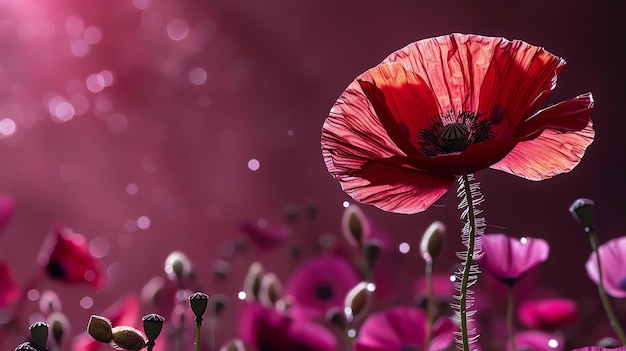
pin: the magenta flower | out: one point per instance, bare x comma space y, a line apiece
598, 348
403, 328
9, 292
267, 329
548, 314
613, 256
320, 284
266, 237
123, 312
534, 340
508, 259
66, 257
7, 209
451, 105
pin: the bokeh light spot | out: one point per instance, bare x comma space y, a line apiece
117, 123
86, 302
404, 248
254, 164
142, 4
143, 222
79, 47
7, 127
74, 26
92, 35
132, 189
262, 223
523, 240
90, 276
130, 225
60, 110
197, 76
33, 294
241, 295
177, 29
553, 343
99, 247
345, 204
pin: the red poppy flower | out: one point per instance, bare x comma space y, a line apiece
123, 312
66, 257
9, 292
452, 105
403, 328
548, 314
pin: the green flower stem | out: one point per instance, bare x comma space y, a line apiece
468, 263
509, 316
198, 329
606, 303
430, 303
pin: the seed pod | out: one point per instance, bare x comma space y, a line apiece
128, 338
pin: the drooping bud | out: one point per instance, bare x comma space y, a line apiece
218, 304
357, 301
177, 266
371, 251
198, 302
233, 345
271, 290
432, 241
220, 269
100, 329
311, 209
582, 211
354, 225
49, 302
152, 325
252, 283
60, 326
128, 338
336, 317
291, 214
39, 333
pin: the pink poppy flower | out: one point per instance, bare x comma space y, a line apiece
598, 348
613, 257
7, 209
403, 328
9, 292
319, 285
508, 259
266, 329
66, 257
266, 237
548, 314
124, 312
451, 105
534, 340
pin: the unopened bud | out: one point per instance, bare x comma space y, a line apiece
233, 345
25, 346
354, 225
128, 338
336, 317
371, 250
432, 241
59, 325
271, 290
49, 302
100, 329
198, 302
177, 266
252, 283
582, 211
39, 333
357, 301
291, 214
152, 325
218, 304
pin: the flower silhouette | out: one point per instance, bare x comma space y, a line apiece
508, 259
319, 285
403, 328
548, 314
65, 257
452, 105
613, 257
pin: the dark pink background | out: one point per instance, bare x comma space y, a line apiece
274, 68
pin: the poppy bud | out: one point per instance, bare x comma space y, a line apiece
336, 317
233, 345
271, 290
152, 325
100, 329
291, 214
128, 338
432, 241
49, 302
198, 302
582, 211
311, 209
177, 266
25, 346
218, 304
356, 301
371, 251
60, 326
39, 333
252, 283
354, 225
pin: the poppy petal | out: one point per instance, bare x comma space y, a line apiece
613, 255
567, 116
403, 102
549, 154
394, 188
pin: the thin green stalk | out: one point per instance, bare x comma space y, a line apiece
198, 329
468, 263
606, 303
430, 305
509, 316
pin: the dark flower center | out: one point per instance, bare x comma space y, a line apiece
622, 283
410, 348
324, 292
56, 270
452, 133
